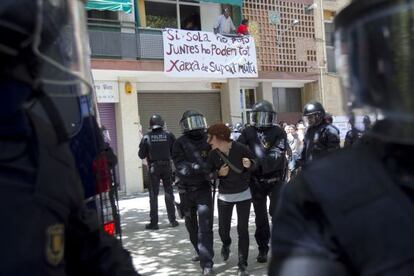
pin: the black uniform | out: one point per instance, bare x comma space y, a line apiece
352, 136
156, 147
329, 215
319, 141
47, 230
351, 213
269, 147
190, 155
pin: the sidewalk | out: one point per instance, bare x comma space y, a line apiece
168, 251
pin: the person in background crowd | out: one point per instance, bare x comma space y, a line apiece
301, 130
156, 147
192, 22
329, 120
224, 24
235, 134
321, 138
190, 155
243, 29
354, 134
234, 163
268, 143
367, 123
295, 147
283, 125
351, 213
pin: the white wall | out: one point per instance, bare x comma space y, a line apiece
127, 122
209, 12
230, 102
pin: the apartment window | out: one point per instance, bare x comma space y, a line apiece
103, 15
330, 46
287, 99
182, 14
247, 100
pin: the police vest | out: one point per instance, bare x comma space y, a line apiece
317, 141
159, 145
370, 215
35, 215
196, 152
269, 147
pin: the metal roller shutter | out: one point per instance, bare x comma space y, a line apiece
107, 116
171, 106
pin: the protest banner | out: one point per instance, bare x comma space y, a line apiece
208, 55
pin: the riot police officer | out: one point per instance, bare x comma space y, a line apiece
329, 120
47, 229
190, 155
354, 134
321, 137
351, 213
236, 132
268, 143
367, 123
156, 147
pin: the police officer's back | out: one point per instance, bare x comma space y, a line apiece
156, 147
351, 213
47, 230
321, 138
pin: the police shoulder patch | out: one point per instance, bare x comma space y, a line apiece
55, 244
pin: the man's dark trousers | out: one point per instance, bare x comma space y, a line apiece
161, 170
199, 223
261, 189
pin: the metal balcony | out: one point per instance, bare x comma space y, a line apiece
118, 40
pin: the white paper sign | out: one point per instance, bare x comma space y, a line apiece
209, 55
107, 92
341, 122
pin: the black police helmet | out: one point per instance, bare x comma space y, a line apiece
375, 58
314, 113
192, 120
18, 27
156, 121
263, 115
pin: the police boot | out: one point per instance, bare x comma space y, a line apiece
174, 223
208, 271
262, 257
152, 226
243, 271
225, 252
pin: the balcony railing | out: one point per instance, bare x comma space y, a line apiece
120, 40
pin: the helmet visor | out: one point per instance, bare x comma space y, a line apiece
61, 45
375, 55
193, 123
263, 119
312, 119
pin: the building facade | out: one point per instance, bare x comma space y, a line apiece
127, 50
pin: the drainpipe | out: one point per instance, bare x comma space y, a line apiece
136, 13
323, 68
